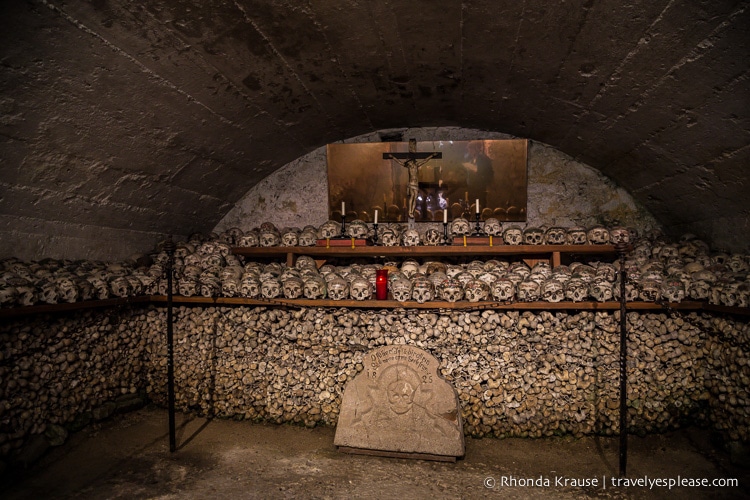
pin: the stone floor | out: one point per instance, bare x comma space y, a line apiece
128, 457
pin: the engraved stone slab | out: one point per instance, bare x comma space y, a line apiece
398, 405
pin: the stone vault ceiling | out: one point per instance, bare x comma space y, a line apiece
129, 119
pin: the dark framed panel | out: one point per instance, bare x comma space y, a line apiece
491, 171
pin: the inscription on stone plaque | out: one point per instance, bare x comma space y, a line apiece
399, 406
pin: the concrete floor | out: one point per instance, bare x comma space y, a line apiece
128, 457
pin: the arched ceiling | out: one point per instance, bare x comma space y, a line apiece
127, 120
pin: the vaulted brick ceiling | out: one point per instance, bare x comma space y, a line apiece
144, 118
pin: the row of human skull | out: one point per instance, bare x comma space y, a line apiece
205, 266
64, 281
394, 234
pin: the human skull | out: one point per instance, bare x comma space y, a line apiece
743, 294
597, 235
631, 291
464, 277
409, 268
451, 290
86, 291
422, 290
542, 268
714, 293
250, 239
270, 288
308, 238
292, 287
728, 294
101, 288
401, 289
289, 272
649, 290
606, 271
410, 238
476, 290
289, 237
496, 266
120, 286
503, 290
230, 287
533, 236
232, 236
576, 290
27, 295
492, 227
601, 290
488, 277
47, 291
668, 251
460, 227
453, 270
209, 286
188, 287
205, 248
673, 290
360, 288
250, 286
329, 229
619, 234
528, 291
583, 271
269, 238
338, 288
555, 236
552, 291
357, 229
67, 290
699, 289
9, 296
736, 263
433, 237
389, 238
314, 287
577, 236
513, 235
436, 278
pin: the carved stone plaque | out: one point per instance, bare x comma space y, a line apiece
399, 406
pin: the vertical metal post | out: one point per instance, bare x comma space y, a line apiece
622, 250
170, 248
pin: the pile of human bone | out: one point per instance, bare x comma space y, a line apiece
657, 270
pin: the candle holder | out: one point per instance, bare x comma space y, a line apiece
445, 234
381, 284
477, 229
375, 236
343, 225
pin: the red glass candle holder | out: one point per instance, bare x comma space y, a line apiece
381, 284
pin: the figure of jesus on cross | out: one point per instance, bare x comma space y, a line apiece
412, 161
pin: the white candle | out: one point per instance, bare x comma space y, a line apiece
477, 205
343, 208
376, 216
445, 217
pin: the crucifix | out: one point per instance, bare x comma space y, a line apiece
412, 161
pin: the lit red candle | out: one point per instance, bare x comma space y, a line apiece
381, 284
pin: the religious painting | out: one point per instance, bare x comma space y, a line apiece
428, 180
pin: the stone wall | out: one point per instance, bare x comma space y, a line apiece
517, 373
561, 190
